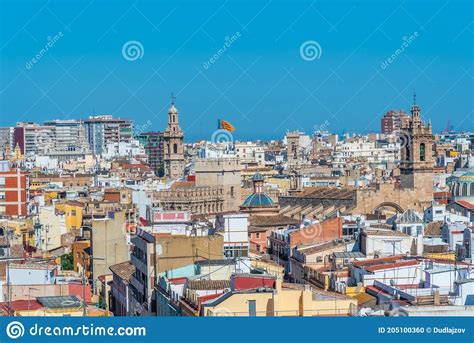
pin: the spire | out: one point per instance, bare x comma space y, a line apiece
172, 99
415, 110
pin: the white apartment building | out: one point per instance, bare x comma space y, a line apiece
250, 152
360, 149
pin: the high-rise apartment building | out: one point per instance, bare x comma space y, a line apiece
68, 134
154, 148
103, 130
393, 121
13, 191
33, 138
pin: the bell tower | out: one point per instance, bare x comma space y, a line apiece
173, 145
416, 162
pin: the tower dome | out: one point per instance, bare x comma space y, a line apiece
173, 110
259, 202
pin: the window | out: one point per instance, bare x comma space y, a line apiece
464, 189
257, 235
175, 148
2, 181
422, 151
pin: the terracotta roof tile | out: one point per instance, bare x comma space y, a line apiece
466, 204
208, 284
123, 270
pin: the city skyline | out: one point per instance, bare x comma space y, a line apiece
249, 67
260, 159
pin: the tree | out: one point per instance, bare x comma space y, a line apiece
161, 171
67, 261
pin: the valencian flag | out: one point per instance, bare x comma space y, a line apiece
223, 124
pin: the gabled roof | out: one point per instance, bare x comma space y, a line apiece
408, 217
123, 270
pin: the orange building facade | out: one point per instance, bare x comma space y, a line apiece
13, 193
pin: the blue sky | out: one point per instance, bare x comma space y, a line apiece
260, 83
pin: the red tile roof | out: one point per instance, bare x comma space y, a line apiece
182, 184
392, 265
135, 166
204, 298
465, 204
178, 280
377, 260
23, 305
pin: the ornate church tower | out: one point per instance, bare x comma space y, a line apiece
173, 145
416, 164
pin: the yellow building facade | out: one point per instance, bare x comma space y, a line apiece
73, 214
297, 301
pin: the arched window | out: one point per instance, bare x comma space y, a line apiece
422, 151
464, 190
175, 148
